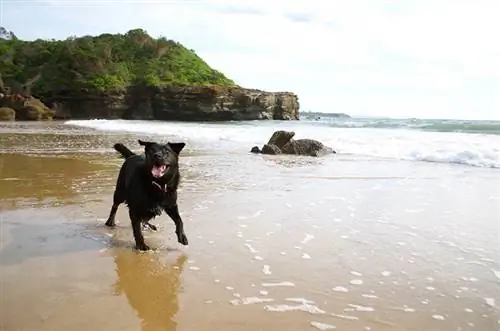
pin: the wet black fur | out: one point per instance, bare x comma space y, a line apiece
143, 193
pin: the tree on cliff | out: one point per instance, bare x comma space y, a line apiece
102, 63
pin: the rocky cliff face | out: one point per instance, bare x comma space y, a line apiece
23, 108
177, 103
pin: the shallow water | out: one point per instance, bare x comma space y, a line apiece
275, 242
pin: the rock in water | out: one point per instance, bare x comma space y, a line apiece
281, 138
271, 149
282, 142
306, 147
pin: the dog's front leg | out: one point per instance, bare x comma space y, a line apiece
136, 228
173, 213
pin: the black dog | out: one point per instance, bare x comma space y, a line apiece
148, 185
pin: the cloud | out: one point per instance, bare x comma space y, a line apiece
408, 58
299, 17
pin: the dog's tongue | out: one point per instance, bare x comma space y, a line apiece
158, 171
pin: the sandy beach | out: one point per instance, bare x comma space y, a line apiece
276, 243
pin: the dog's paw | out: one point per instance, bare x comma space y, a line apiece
182, 239
110, 223
142, 247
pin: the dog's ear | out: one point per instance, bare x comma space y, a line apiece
177, 147
144, 143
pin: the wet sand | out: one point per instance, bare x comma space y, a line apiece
275, 243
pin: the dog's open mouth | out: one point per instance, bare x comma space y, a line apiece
159, 171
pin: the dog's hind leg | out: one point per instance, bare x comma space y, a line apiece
117, 200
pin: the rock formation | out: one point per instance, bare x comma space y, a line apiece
203, 103
19, 107
282, 142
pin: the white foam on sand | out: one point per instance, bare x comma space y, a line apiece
340, 289
284, 283
264, 292
413, 211
490, 302
266, 269
337, 198
302, 307
369, 296
307, 238
386, 273
322, 326
250, 301
259, 258
407, 309
496, 273
346, 317
438, 317
306, 256
300, 300
355, 273
356, 282
361, 308
251, 249
256, 214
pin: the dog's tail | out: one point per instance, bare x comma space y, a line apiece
123, 150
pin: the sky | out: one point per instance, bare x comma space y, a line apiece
420, 58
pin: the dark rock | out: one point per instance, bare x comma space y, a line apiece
26, 108
7, 114
306, 147
280, 138
282, 142
271, 149
255, 150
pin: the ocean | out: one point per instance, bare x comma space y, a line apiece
470, 143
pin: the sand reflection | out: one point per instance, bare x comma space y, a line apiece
151, 286
40, 178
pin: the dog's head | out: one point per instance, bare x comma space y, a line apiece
161, 159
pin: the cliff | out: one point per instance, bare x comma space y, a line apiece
129, 75
195, 103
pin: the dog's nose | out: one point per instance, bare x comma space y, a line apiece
157, 156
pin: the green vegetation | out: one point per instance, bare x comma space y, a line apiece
103, 63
